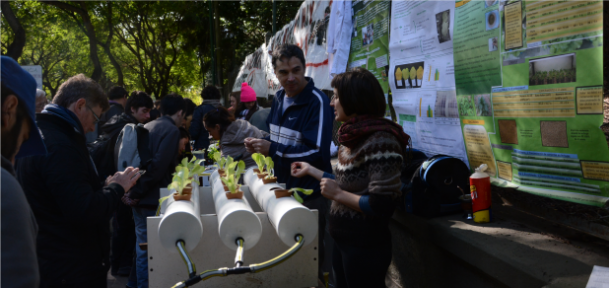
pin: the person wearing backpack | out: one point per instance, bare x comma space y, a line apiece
211, 100
367, 181
164, 138
137, 110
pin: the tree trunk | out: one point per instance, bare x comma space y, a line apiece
106, 46
15, 49
218, 54
90, 32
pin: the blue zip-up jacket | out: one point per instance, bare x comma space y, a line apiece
302, 133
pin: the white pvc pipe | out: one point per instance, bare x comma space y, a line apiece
235, 217
287, 216
181, 221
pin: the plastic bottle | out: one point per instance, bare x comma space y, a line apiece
480, 192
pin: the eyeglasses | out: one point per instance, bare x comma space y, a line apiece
97, 119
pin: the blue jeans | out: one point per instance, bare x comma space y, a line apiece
139, 217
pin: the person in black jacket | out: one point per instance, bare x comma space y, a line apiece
164, 138
137, 110
211, 100
72, 207
117, 99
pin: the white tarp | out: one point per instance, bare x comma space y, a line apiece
253, 72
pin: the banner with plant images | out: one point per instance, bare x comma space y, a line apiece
530, 97
369, 46
422, 76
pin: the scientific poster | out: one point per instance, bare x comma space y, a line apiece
369, 47
530, 97
422, 76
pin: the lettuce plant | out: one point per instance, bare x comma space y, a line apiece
297, 196
180, 180
269, 163
233, 172
260, 161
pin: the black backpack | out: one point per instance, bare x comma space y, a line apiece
430, 185
102, 153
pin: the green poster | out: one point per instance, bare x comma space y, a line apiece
369, 47
533, 113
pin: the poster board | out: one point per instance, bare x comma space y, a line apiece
422, 76
530, 96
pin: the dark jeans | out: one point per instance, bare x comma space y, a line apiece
357, 266
323, 206
139, 217
123, 239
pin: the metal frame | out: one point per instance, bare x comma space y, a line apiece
167, 268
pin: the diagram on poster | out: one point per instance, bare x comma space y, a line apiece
422, 78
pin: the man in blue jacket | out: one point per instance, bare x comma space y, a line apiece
300, 126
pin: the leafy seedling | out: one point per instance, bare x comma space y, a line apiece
297, 196
270, 170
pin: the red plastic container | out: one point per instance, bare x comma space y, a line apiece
480, 192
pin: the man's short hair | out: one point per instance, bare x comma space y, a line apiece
184, 133
359, 93
287, 51
171, 104
80, 86
210, 92
136, 100
189, 107
116, 92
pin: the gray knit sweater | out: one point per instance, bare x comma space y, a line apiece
371, 169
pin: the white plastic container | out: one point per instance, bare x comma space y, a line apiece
181, 221
235, 217
287, 216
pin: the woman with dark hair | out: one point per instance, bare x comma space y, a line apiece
231, 133
367, 180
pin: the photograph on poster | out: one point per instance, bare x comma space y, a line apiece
409, 75
553, 70
493, 44
367, 34
446, 104
492, 20
442, 26
483, 105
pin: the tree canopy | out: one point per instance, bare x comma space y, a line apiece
156, 47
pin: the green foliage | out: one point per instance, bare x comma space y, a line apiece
466, 105
297, 196
180, 180
233, 172
270, 171
158, 46
260, 161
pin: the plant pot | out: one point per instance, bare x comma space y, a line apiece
256, 170
221, 172
225, 187
270, 180
188, 190
178, 197
237, 195
279, 193
261, 175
